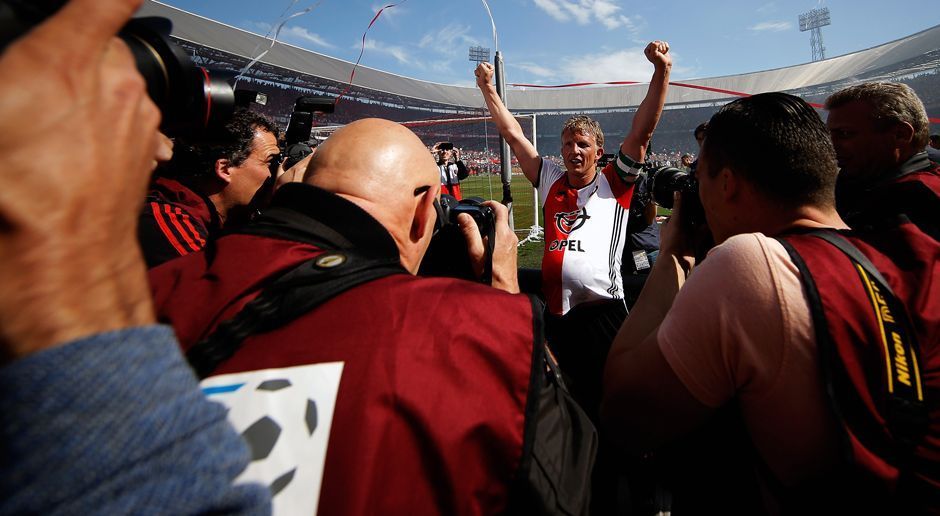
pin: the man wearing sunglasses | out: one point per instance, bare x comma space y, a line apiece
211, 183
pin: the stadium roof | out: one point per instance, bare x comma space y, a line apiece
914, 53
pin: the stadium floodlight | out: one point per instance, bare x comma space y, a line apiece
812, 21
480, 54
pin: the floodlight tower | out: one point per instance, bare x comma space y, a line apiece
812, 21
479, 54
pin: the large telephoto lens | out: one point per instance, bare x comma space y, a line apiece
191, 98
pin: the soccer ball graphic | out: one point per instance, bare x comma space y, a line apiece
284, 416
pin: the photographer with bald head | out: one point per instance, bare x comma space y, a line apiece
426, 419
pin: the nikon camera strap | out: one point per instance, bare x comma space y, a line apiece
904, 385
293, 294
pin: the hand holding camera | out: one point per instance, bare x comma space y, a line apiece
80, 93
473, 242
503, 261
688, 233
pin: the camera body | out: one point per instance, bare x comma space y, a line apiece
191, 99
473, 206
447, 254
301, 119
665, 181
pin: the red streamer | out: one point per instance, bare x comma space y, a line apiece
679, 84
574, 84
362, 50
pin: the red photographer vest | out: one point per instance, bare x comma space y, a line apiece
364, 405
880, 355
914, 191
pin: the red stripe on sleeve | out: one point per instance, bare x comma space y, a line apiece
176, 223
186, 220
171, 238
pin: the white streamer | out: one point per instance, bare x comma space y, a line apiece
493, 23
277, 32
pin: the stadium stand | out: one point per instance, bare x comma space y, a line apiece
287, 72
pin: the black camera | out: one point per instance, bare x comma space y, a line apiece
447, 254
664, 181
191, 98
473, 206
301, 119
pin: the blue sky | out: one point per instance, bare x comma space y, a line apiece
562, 41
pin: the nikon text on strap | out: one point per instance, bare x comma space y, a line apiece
904, 385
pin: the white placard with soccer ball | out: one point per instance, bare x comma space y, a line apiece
285, 416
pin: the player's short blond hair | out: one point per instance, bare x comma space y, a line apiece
585, 125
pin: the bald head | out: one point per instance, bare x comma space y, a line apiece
386, 170
373, 159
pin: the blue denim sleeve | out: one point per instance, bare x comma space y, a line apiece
116, 424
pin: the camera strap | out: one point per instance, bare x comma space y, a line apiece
489, 244
904, 386
293, 294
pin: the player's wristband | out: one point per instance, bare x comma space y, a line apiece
627, 168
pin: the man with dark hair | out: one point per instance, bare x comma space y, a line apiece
395, 414
209, 184
879, 131
452, 168
780, 331
739, 328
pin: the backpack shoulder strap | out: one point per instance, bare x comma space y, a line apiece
291, 295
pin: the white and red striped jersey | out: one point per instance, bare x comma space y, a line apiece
585, 231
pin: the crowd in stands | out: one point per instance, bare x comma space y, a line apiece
193, 324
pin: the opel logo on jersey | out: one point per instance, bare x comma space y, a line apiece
568, 221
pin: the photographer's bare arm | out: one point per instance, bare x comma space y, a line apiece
69, 260
509, 128
648, 114
635, 355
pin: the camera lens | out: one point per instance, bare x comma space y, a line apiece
664, 181
191, 98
